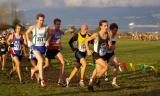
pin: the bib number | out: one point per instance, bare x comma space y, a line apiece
17, 47
82, 48
2, 49
103, 49
40, 41
57, 36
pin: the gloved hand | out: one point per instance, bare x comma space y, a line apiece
47, 43
29, 43
11, 45
74, 49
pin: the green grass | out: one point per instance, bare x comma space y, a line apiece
132, 83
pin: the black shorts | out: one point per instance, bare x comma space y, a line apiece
79, 55
105, 57
50, 54
109, 56
19, 57
3, 53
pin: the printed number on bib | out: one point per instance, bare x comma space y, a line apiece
40, 41
82, 48
17, 47
57, 36
2, 49
103, 49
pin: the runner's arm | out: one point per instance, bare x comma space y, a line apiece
24, 40
9, 39
28, 32
48, 35
71, 41
113, 45
24, 50
91, 38
110, 39
92, 41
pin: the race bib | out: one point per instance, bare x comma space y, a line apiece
103, 49
82, 48
3, 49
57, 36
40, 41
17, 47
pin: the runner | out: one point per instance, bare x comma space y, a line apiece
111, 54
38, 44
3, 51
80, 54
16, 43
53, 50
101, 41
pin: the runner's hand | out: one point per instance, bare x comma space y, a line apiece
74, 49
11, 45
47, 43
29, 43
9, 48
58, 41
109, 44
89, 52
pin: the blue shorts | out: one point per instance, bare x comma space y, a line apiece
79, 55
31, 56
17, 52
41, 49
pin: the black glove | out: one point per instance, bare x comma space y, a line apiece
11, 45
74, 49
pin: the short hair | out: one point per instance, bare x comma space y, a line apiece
113, 25
40, 15
102, 21
18, 25
56, 20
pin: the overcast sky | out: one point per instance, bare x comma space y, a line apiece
36, 4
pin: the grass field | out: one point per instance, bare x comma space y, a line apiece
132, 83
